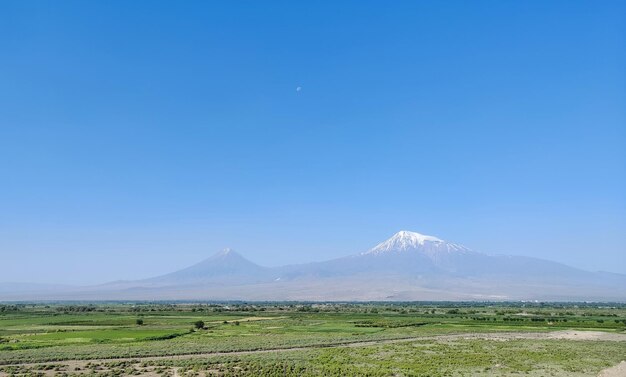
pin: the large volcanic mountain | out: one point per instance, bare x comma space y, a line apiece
407, 266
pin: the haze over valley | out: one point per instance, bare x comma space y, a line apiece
409, 266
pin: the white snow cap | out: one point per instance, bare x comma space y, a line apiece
414, 237
405, 240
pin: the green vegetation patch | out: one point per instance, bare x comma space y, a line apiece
322, 333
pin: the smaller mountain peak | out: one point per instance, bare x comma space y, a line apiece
226, 252
226, 255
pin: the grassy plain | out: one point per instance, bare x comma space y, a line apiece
299, 339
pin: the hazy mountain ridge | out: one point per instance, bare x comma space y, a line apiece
227, 265
407, 266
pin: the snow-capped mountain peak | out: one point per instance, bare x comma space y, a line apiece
406, 240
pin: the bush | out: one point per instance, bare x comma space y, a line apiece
199, 324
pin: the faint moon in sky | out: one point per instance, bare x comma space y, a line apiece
298, 88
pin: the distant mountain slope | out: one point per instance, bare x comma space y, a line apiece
227, 266
407, 266
412, 254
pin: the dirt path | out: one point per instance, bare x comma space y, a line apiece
250, 319
617, 371
565, 335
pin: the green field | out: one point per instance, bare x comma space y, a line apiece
276, 339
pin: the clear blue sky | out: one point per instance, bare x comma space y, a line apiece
139, 137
